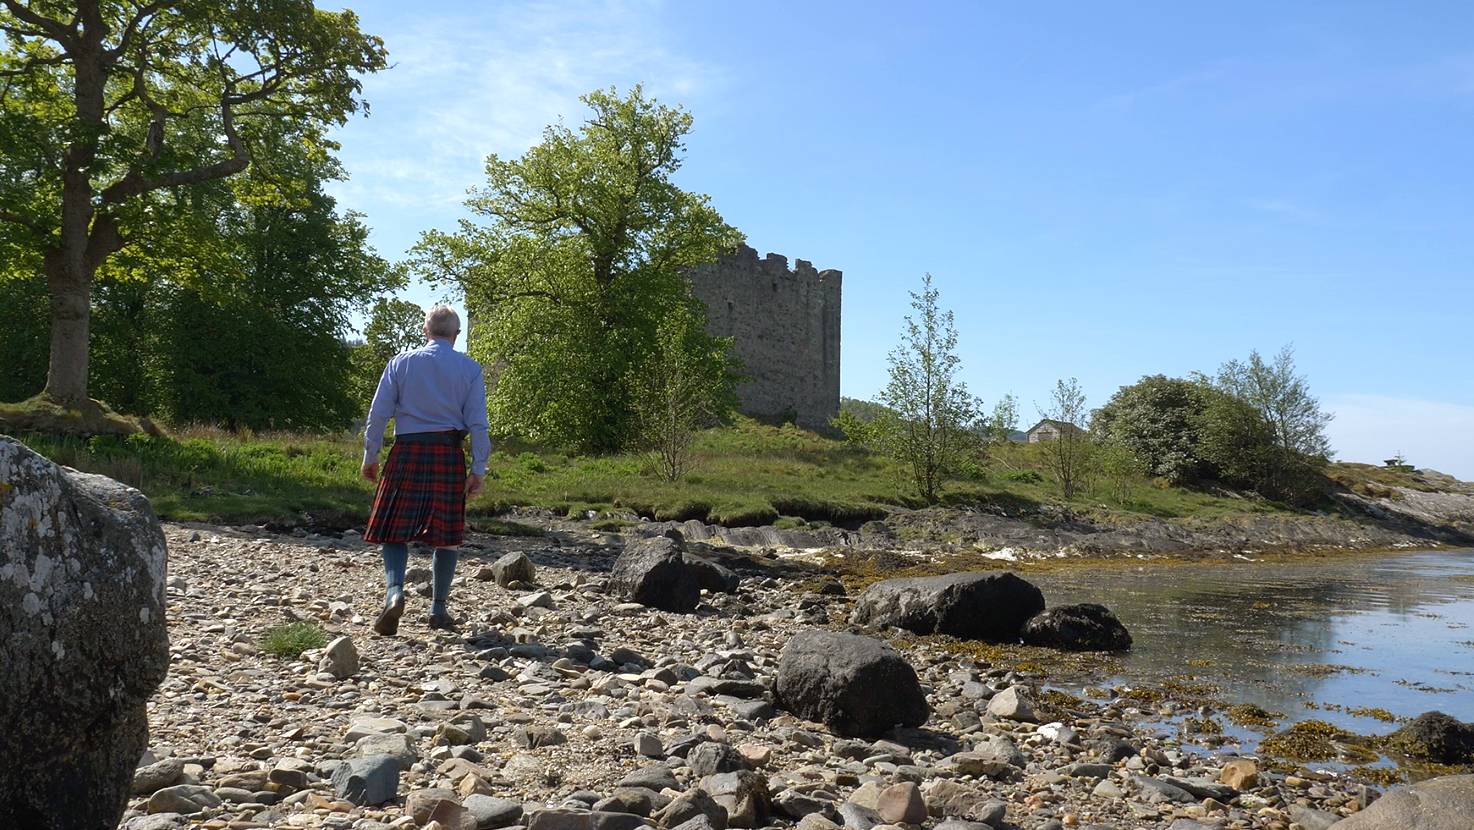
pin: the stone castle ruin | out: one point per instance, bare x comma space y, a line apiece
786, 327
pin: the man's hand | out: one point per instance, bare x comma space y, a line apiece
474, 483
371, 471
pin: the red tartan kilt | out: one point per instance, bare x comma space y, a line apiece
421, 496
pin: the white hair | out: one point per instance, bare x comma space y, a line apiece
442, 321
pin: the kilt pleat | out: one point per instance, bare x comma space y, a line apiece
421, 496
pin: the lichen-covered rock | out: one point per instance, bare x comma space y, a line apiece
856, 686
987, 605
1087, 626
654, 572
514, 567
82, 561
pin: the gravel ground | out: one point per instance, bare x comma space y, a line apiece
548, 696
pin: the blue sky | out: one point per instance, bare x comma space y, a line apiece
1100, 191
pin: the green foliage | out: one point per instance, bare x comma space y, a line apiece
290, 640
1158, 419
863, 411
932, 423
24, 337
394, 326
580, 261
685, 386
1282, 398
115, 119
1004, 421
1068, 456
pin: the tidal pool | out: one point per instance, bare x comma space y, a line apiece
1325, 638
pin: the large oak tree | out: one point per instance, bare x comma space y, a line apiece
105, 106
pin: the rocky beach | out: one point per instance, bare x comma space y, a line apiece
557, 705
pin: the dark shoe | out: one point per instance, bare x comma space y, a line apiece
443, 622
388, 621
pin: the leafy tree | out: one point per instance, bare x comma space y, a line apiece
1068, 456
394, 326
1158, 419
680, 391
233, 318
579, 262
933, 421
1003, 423
106, 108
1283, 399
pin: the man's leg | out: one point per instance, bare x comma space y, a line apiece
396, 559
444, 566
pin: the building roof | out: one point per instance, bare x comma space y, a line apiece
1060, 426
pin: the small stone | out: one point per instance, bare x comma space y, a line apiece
857, 817
756, 754
491, 813
1012, 704
183, 798
514, 567
648, 744
1241, 774
340, 659
902, 803
367, 781
156, 776
816, 821
422, 803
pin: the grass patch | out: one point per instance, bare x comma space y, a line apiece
290, 640
749, 474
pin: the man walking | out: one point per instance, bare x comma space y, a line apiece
436, 396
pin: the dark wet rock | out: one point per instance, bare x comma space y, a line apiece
1110, 750
654, 572
1444, 803
1436, 737
1083, 627
856, 686
82, 563
988, 605
715, 578
1202, 787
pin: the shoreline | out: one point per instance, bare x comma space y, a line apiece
244, 711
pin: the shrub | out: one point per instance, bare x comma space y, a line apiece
290, 640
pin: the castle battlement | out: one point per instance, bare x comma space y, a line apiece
786, 327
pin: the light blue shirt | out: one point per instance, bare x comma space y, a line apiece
431, 389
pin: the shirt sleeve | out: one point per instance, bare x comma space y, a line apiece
386, 401
474, 413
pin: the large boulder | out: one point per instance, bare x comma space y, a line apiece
987, 605
716, 579
857, 686
1436, 737
82, 562
1445, 803
1083, 627
655, 572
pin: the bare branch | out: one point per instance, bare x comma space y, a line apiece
32, 64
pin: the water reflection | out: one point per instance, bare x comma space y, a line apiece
1392, 631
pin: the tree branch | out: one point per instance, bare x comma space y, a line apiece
54, 29
144, 13
135, 183
14, 218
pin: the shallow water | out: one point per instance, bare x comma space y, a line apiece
1343, 632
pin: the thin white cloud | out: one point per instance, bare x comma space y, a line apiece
1287, 210
1127, 99
1432, 434
468, 84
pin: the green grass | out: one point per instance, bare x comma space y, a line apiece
747, 474
290, 640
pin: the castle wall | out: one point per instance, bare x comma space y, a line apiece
786, 326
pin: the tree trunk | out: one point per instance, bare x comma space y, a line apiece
71, 326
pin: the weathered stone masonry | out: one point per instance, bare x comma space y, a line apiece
786, 326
